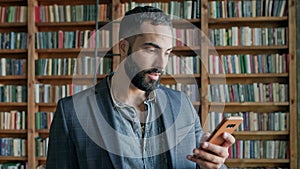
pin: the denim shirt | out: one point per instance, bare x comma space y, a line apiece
128, 123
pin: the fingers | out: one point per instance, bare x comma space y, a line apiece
204, 158
203, 163
229, 139
204, 137
213, 151
210, 155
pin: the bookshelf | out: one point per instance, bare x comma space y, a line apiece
39, 24
213, 20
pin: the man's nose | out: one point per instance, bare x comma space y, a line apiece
161, 61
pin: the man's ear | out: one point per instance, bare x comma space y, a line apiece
123, 48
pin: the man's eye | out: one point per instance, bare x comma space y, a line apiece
151, 50
167, 53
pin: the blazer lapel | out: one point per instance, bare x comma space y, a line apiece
104, 132
169, 116
177, 127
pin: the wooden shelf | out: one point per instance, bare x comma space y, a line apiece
73, 52
257, 163
68, 26
187, 23
248, 78
88, 79
261, 135
248, 49
181, 78
12, 158
13, 79
42, 160
13, 25
7, 106
13, 2
186, 50
69, 79
248, 106
68, 2
13, 133
15, 52
44, 133
46, 107
248, 21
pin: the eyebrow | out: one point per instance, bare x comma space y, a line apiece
154, 45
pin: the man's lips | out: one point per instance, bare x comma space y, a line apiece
154, 76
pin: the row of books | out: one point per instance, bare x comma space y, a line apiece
43, 120
253, 121
41, 146
186, 37
13, 14
247, 64
13, 120
12, 66
255, 92
73, 39
189, 9
183, 65
13, 93
87, 38
13, 147
47, 93
247, 8
246, 36
259, 149
72, 13
12, 165
70, 66
191, 90
13, 40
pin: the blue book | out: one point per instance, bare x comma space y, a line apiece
12, 40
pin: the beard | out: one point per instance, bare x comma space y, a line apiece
138, 76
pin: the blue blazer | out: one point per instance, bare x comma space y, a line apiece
79, 138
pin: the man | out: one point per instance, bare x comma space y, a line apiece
128, 120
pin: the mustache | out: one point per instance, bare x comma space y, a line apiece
154, 70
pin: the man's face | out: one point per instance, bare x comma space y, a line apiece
148, 56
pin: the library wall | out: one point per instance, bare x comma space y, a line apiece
57, 38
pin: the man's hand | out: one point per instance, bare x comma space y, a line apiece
211, 156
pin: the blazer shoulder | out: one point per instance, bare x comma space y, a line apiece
170, 91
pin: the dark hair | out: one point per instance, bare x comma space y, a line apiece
130, 24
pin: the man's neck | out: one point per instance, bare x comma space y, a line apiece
125, 92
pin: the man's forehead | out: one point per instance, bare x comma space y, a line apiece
163, 30
162, 41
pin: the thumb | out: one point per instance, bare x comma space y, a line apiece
204, 137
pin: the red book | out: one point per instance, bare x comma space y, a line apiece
238, 149
178, 37
92, 39
60, 39
230, 151
37, 14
